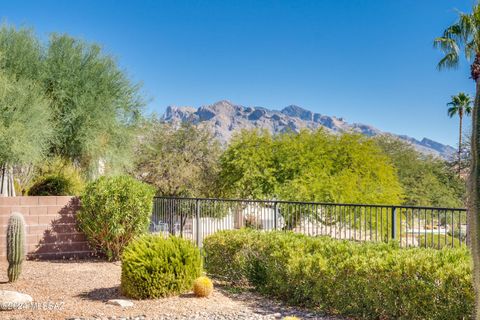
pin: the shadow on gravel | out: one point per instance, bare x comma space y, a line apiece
102, 294
267, 306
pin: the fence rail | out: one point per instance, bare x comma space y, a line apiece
196, 218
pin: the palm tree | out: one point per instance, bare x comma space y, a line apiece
461, 104
464, 35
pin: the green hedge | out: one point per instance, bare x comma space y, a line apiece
154, 267
371, 281
438, 242
114, 211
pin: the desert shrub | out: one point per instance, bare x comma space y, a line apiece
439, 242
364, 280
154, 266
235, 252
114, 211
57, 177
52, 185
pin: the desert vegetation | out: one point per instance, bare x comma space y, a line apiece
78, 116
72, 122
367, 281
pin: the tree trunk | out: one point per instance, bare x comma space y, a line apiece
7, 189
474, 200
460, 145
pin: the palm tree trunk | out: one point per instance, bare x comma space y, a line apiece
474, 200
460, 145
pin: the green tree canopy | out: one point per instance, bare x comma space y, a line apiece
426, 181
93, 105
310, 166
179, 161
24, 121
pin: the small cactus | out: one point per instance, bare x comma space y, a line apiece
15, 245
202, 287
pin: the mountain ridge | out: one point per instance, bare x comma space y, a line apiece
225, 118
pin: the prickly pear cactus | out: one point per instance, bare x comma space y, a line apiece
202, 287
15, 245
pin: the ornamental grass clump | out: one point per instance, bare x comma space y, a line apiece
155, 267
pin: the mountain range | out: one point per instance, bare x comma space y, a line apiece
225, 118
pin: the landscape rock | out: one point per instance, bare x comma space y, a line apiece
121, 303
10, 300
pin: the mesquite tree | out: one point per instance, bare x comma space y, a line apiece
464, 35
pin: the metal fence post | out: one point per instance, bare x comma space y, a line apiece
275, 215
394, 223
197, 221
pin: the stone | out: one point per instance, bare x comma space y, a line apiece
10, 300
121, 303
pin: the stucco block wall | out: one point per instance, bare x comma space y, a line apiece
52, 231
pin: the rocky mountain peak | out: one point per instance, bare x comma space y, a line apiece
225, 118
298, 112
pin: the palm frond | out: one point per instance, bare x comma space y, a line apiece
466, 27
463, 34
468, 110
460, 104
470, 50
452, 111
450, 60
453, 32
447, 45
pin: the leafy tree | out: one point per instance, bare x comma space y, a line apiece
21, 53
426, 180
460, 105
314, 166
347, 168
94, 107
465, 35
179, 161
248, 168
310, 166
24, 127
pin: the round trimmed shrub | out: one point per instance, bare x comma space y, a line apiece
52, 185
154, 267
56, 177
114, 211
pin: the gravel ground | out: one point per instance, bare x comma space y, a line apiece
80, 289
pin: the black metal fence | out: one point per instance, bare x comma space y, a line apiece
196, 218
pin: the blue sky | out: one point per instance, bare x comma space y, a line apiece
367, 61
